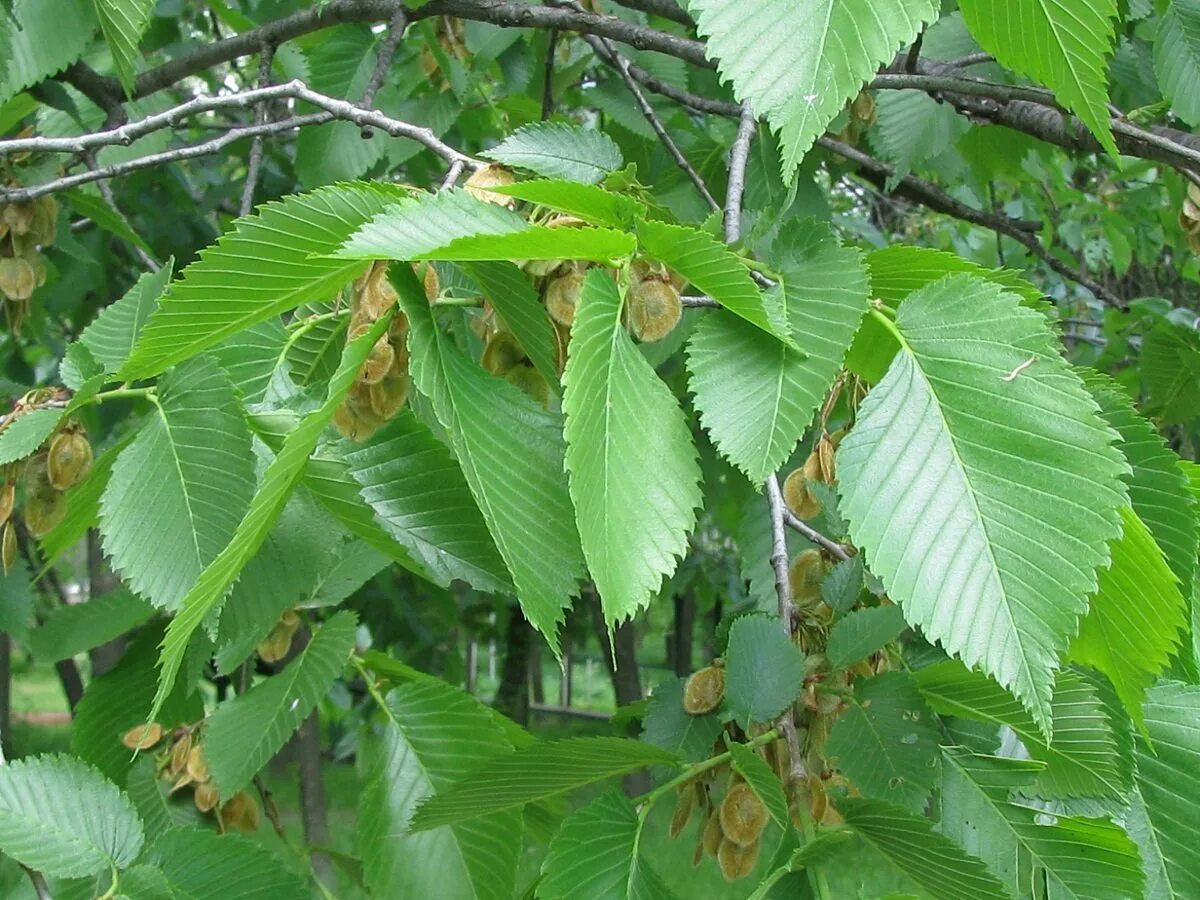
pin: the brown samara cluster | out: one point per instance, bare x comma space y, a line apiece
63, 460
25, 227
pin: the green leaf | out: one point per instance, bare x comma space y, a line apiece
421, 498
886, 742
123, 23
117, 701
113, 333
251, 357
27, 432
1171, 370
1082, 858
269, 263
313, 355
64, 819
912, 128
764, 670
556, 150
434, 737
1168, 781
928, 858
1135, 619
983, 484
586, 201
77, 628
595, 854
798, 62
634, 477
273, 492
178, 491
519, 307
863, 632
242, 735
542, 770
756, 396
1158, 488
202, 865
669, 726
41, 39
1177, 58
842, 585
1062, 43
713, 268
762, 780
1084, 758
511, 452
93, 206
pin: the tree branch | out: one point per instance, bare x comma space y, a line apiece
254, 163
667, 9
739, 156
333, 109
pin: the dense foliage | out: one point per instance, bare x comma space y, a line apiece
343, 337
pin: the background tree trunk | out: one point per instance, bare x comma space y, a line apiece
5, 695
681, 634
512, 696
101, 580
312, 796
623, 669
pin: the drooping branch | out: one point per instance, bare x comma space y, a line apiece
667, 9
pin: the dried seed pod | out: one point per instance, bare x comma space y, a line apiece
743, 816
9, 547
540, 268
489, 177
180, 751
18, 279
196, 767
806, 574
683, 810
501, 353
712, 837
240, 812
737, 861
529, 380
398, 331
8, 496
389, 396
206, 797
142, 737
274, 646
18, 216
69, 460
44, 511
351, 425
562, 296
429, 279
379, 362
798, 497
654, 310
826, 461
44, 221
704, 690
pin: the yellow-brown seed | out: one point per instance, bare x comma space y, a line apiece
737, 861
351, 425
704, 690
379, 362
240, 812
825, 457
179, 754
389, 396
489, 177
743, 816
683, 810
44, 221
8, 497
275, 646
9, 551
712, 837
17, 278
501, 353
143, 737
654, 310
562, 296
196, 767
69, 460
529, 381
799, 496
806, 574
44, 511
206, 797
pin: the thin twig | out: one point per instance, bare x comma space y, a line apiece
451, 179
387, 53
254, 163
106, 193
739, 156
833, 548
